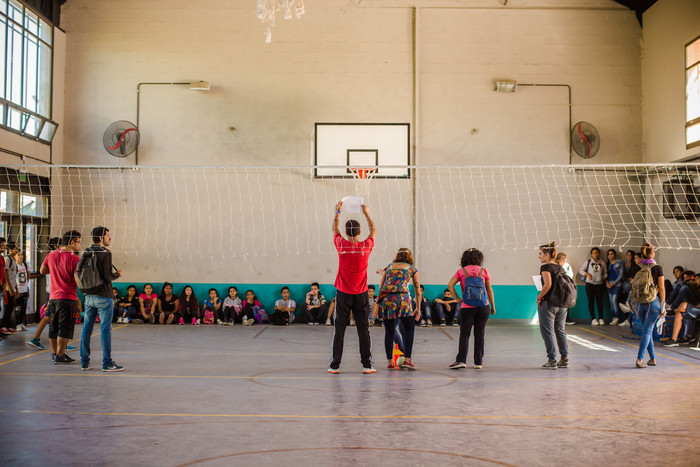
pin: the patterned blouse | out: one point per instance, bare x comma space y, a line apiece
394, 297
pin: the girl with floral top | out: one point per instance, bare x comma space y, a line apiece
395, 304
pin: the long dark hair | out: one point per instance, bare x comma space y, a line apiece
162, 290
183, 297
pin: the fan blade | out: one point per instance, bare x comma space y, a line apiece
121, 139
584, 139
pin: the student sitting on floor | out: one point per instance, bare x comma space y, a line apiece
168, 305
689, 306
424, 309
127, 306
253, 310
210, 308
148, 301
314, 306
189, 307
284, 309
233, 307
447, 308
115, 304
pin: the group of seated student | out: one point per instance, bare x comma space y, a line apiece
683, 301
185, 308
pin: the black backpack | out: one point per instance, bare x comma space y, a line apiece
563, 294
86, 272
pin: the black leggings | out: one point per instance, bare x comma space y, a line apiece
469, 317
409, 325
595, 292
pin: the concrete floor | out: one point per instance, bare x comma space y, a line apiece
213, 395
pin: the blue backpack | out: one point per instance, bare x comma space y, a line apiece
474, 292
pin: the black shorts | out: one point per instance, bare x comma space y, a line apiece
62, 321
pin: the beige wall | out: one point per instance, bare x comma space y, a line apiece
346, 62
668, 26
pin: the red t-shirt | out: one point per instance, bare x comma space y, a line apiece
61, 264
352, 264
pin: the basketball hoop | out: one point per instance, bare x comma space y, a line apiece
363, 176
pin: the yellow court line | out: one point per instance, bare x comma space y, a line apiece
445, 378
368, 417
632, 345
47, 350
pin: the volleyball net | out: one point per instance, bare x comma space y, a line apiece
235, 212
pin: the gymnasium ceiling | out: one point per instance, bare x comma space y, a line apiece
51, 9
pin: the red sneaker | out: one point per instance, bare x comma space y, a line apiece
391, 366
9, 330
409, 366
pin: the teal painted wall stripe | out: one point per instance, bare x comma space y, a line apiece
512, 301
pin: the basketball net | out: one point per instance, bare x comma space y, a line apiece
363, 177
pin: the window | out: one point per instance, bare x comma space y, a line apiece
25, 80
692, 93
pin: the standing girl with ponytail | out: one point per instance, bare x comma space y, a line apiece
648, 312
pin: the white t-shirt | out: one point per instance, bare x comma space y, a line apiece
289, 304
22, 278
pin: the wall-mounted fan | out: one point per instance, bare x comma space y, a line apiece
121, 138
585, 140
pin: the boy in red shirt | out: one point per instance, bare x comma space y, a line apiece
351, 283
61, 264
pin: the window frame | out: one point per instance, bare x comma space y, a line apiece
16, 117
687, 67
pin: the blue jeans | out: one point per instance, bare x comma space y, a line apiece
648, 314
613, 294
104, 307
675, 290
553, 322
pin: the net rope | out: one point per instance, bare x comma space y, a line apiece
241, 212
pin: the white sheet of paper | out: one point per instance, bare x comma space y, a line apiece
538, 282
352, 203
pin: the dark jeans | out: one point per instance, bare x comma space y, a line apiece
469, 317
673, 291
448, 315
409, 329
127, 312
595, 292
188, 314
229, 314
358, 304
315, 315
685, 294
21, 308
9, 308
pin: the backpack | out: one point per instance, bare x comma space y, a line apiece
643, 288
86, 272
208, 316
474, 290
564, 293
260, 315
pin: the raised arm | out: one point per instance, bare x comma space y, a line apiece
370, 222
336, 218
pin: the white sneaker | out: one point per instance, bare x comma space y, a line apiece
249, 322
615, 322
310, 323
328, 322
601, 322
352, 322
594, 322
218, 321
625, 307
625, 323
22, 327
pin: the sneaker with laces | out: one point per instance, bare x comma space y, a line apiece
390, 366
615, 322
352, 322
248, 322
369, 370
478, 367
36, 344
671, 343
218, 321
594, 322
443, 323
625, 323
328, 322
550, 365
112, 367
85, 366
455, 324
422, 323
199, 321
70, 348
333, 371
53, 357
310, 323
429, 323
409, 366
457, 365
601, 322
563, 362
63, 359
